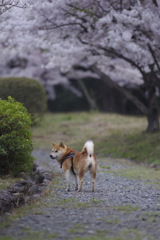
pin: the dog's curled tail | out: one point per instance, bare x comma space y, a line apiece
88, 148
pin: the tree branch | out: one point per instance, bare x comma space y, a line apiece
119, 55
155, 3
154, 57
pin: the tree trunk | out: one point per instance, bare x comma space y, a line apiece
153, 113
90, 100
153, 121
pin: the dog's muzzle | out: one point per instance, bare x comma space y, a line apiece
52, 156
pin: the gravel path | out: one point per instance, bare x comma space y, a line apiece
120, 208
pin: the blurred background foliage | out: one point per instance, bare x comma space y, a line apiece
27, 91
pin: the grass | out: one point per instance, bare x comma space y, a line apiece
77, 228
41, 235
5, 238
6, 182
114, 135
126, 209
138, 146
131, 170
110, 220
125, 234
74, 203
140, 172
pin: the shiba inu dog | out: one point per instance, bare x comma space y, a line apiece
76, 163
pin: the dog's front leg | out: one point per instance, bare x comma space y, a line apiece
67, 175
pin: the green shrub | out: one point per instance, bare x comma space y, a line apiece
27, 91
15, 138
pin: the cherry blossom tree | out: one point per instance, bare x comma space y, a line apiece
32, 52
124, 30
6, 5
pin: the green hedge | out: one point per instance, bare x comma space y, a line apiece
15, 138
27, 91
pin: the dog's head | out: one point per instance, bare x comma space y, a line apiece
58, 151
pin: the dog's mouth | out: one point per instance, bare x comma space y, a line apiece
51, 156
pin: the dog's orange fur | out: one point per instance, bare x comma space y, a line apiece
82, 162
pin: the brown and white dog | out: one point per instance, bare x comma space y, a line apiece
76, 163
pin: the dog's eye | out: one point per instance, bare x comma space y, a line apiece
56, 150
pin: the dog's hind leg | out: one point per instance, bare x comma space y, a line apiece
76, 182
80, 182
93, 175
67, 175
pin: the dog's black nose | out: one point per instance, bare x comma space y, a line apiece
51, 155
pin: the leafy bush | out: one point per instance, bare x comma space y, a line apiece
27, 91
15, 138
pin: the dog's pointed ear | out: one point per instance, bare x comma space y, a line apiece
53, 144
62, 145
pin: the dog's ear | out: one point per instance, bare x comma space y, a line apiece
53, 144
62, 145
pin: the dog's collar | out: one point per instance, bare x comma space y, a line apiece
69, 155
